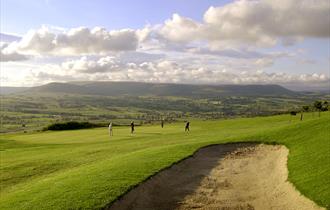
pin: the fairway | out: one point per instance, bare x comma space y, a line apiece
86, 169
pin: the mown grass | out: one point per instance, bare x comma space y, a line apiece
85, 169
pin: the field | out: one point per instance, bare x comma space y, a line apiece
36, 111
84, 169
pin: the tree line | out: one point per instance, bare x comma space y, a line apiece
319, 106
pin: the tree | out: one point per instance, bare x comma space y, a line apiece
304, 109
321, 106
325, 106
292, 113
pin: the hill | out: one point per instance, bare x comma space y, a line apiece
121, 102
153, 89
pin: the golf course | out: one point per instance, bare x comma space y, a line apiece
87, 169
165, 105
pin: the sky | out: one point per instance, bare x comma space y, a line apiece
198, 42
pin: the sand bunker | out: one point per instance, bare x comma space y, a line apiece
221, 177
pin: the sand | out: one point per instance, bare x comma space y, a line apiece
222, 177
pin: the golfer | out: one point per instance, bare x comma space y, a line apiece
187, 126
110, 129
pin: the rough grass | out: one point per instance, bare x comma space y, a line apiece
85, 169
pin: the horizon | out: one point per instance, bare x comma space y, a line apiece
288, 87
127, 81
210, 42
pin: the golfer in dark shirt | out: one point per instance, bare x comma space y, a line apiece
132, 127
187, 127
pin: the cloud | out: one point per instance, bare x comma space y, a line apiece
109, 68
306, 61
104, 64
227, 52
256, 22
5, 37
264, 62
181, 29
139, 57
109, 63
7, 55
230, 30
78, 41
225, 47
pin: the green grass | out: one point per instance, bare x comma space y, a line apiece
84, 169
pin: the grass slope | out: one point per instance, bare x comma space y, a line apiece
84, 169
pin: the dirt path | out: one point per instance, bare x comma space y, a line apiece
222, 177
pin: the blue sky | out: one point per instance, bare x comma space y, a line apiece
18, 16
181, 41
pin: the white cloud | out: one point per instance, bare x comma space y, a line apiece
78, 41
6, 37
242, 23
8, 55
104, 64
109, 68
223, 48
262, 23
264, 62
181, 29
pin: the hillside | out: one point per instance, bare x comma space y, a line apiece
122, 102
151, 89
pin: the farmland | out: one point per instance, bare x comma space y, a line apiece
36, 111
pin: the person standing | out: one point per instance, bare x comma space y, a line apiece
132, 127
110, 129
187, 126
162, 123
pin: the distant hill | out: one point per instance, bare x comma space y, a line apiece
160, 89
10, 90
